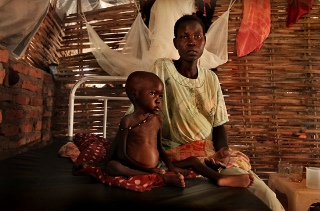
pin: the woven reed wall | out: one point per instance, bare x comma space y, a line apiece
111, 24
272, 95
45, 45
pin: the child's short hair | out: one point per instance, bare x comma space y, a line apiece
138, 80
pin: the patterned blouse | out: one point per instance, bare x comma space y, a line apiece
191, 107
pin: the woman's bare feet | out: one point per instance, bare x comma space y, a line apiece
241, 181
174, 179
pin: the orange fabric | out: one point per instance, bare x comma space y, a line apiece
200, 149
255, 26
69, 150
203, 149
297, 8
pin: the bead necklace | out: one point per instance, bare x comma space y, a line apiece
143, 121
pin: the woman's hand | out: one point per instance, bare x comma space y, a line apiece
219, 160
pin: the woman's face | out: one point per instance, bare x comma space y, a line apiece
190, 40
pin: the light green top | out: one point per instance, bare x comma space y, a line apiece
191, 107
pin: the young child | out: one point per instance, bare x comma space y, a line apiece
137, 148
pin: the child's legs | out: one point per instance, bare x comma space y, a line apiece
198, 167
173, 179
115, 168
189, 162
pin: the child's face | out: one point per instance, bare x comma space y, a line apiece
190, 40
150, 98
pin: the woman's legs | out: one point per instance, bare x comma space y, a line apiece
239, 180
259, 188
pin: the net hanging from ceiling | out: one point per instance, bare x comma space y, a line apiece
144, 45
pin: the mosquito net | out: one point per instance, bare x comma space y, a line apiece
144, 45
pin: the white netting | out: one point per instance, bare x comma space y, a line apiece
137, 40
112, 61
143, 46
216, 48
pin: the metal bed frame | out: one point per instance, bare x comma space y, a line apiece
73, 96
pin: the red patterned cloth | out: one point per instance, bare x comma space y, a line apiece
139, 183
84, 140
92, 148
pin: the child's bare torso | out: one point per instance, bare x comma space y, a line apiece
142, 142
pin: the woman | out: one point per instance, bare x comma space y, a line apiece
194, 111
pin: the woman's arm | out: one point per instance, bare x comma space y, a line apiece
219, 137
220, 144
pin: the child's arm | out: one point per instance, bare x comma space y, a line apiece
162, 154
165, 158
111, 152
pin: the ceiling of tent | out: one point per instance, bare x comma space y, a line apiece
70, 6
20, 19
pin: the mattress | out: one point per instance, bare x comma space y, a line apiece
42, 180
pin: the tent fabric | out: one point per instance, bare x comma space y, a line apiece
296, 9
20, 20
255, 26
157, 40
66, 7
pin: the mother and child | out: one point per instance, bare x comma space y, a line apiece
176, 103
